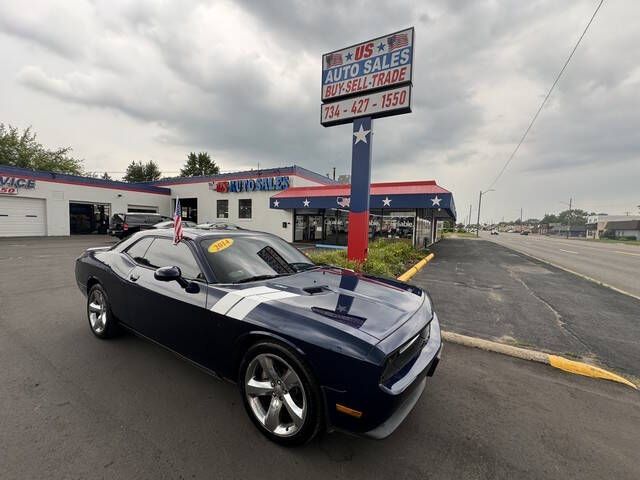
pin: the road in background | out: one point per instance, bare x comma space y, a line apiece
74, 406
616, 264
490, 291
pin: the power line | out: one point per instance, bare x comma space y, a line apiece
535, 117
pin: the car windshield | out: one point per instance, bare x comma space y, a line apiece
237, 259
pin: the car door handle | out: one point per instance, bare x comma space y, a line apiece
134, 277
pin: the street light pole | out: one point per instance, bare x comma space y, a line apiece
569, 226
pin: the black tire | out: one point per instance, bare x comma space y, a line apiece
313, 417
107, 326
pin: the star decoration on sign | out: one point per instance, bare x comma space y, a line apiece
381, 47
349, 56
361, 135
276, 203
386, 202
341, 309
306, 202
435, 201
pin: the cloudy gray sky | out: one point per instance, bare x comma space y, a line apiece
136, 80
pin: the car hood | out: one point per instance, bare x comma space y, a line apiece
347, 300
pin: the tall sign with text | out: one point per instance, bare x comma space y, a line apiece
359, 83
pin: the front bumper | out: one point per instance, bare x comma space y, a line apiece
384, 407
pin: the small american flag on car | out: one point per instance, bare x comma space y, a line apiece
333, 59
177, 223
398, 40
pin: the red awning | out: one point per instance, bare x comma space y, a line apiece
387, 188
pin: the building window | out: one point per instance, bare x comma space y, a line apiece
244, 208
222, 207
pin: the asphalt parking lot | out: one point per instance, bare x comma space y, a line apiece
73, 406
490, 291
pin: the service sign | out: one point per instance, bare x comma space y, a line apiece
11, 185
380, 63
377, 104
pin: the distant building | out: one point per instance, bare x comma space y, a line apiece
626, 229
597, 224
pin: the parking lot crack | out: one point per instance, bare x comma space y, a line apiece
557, 315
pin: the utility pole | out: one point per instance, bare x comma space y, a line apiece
469, 222
334, 173
569, 226
480, 206
521, 220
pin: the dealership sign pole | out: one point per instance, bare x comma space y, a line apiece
359, 83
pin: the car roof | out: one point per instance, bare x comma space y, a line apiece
198, 233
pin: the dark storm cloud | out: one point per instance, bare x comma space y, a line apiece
242, 79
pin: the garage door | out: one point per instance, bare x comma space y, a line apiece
22, 217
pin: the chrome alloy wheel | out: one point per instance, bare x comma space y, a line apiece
275, 394
97, 311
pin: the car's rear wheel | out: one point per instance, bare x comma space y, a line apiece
280, 394
101, 319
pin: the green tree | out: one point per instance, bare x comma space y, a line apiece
550, 218
142, 172
576, 215
21, 149
199, 164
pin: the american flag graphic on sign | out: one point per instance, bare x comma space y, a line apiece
333, 59
398, 40
177, 223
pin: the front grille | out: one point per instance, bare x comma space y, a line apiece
403, 356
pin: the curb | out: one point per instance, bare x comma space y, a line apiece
571, 366
416, 268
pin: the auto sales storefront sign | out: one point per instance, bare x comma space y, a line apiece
368, 80
250, 185
11, 185
355, 72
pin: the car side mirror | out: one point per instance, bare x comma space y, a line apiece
169, 274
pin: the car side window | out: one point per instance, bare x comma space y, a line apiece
138, 249
163, 253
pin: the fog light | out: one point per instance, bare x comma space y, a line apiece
348, 411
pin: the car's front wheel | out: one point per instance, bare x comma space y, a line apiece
280, 394
101, 319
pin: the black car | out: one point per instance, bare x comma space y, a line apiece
311, 347
124, 224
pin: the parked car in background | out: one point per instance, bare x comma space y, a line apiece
124, 224
311, 347
169, 224
218, 226
524, 232
494, 232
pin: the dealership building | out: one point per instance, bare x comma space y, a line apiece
295, 203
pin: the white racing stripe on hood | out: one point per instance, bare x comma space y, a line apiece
242, 308
227, 302
239, 303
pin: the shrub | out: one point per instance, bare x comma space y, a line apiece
386, 258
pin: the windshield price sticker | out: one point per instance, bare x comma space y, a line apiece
380, 104
379, 63
220, 245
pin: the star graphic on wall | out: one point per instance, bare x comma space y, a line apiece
386, 202
341, 309
361, 135
435, 201
276, 203
349, 56
381, 47
306, 202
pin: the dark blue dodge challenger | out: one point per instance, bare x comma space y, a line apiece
311, 347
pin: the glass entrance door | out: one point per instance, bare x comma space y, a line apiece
308, 228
